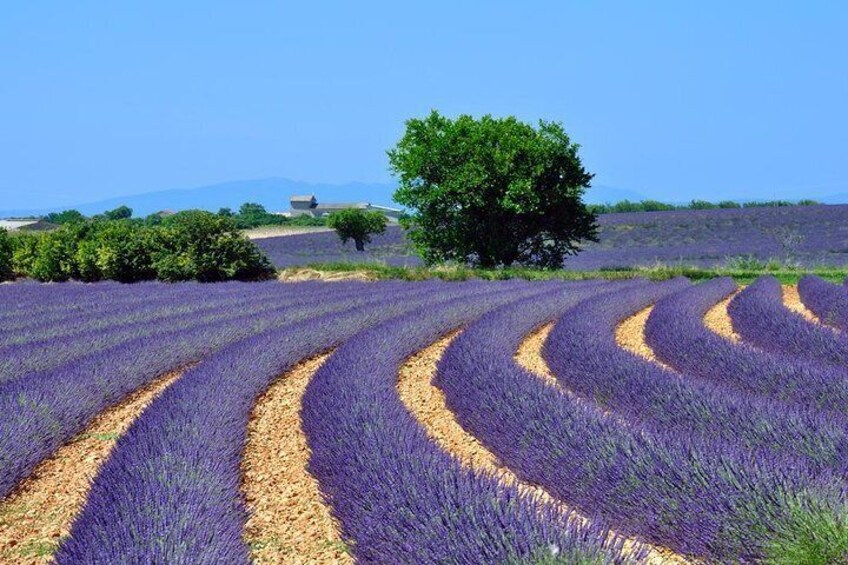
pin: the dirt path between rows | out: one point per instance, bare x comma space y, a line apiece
289, 522
426, 403
792, 300
39, 512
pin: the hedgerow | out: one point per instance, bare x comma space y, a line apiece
191, 245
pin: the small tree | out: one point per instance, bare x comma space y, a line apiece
357, 225
492, 192
66, 217
119, 213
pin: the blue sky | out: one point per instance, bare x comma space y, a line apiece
672, 99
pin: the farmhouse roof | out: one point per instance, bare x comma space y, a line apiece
303, 198
342, 205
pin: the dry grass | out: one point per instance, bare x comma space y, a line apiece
305, 274
289, 522
39, 513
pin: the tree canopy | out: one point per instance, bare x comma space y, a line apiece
492, 191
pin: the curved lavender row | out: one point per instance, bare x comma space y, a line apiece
51, 409
33, 361
194, 434
760, 318
118, 307
676, 333
829, 302
721, 505
51, 301
582, 352
16, 361
372, 459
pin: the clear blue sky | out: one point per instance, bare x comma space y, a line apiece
671, 99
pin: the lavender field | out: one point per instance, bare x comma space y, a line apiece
804, 236
424, 422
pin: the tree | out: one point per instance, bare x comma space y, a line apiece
119, 213
492, 192
357, 225
66, 217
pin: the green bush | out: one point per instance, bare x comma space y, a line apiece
187, 246
206, 247
117, 250
7, 251
24, 252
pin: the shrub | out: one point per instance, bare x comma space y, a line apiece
188, 246
55, 254
357, 225
6, 252
206, 247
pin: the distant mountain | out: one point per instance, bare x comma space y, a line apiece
602, 194
273, 193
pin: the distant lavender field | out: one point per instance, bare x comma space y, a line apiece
803, 235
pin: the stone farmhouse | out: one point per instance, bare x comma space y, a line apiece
308, 206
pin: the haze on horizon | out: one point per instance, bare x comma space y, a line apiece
673, 100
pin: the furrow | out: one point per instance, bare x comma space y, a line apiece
718, 320
630, 335
426, 402
289, 522
39, 512
792, 300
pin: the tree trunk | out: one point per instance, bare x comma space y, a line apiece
360, 245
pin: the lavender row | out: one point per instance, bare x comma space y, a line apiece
372, 459
18, 360
761, 319
193, 436
583, 354
51, 409
120, 306
829, 302
37, 303
676, 332
722, 505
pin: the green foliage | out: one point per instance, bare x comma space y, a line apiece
7, 250
187, 246
66, 217
655, 206
702, 205
811, 536
358, 225
119, 213
117, 250
25, 246
491, 192
252, 215
206, 247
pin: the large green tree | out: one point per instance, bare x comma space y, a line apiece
492, 191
